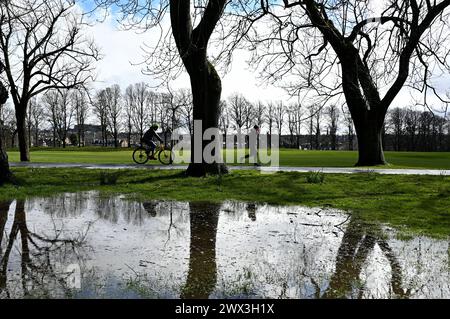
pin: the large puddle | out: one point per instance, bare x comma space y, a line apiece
85, 246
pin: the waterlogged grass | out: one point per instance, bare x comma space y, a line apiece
416, 204
288, 157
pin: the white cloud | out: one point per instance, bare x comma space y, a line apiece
122, 50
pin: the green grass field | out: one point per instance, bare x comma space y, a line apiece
413, 204
295, 158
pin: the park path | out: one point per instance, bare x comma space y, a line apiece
326, 170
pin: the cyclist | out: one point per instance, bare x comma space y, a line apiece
148, 139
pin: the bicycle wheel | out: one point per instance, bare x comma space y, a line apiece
140, 155
166, 156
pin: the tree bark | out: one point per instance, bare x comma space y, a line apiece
206, 90
367, 111
5, 172
205, 82
22, 135
370, 141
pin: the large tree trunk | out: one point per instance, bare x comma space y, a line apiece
206, 90
205, 82
5, 172
22, 134
369, 132
367, 112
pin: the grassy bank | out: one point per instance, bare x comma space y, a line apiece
419, 204
288, 157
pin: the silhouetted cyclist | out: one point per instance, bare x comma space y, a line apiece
148, 139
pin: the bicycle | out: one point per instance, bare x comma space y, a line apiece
141, 154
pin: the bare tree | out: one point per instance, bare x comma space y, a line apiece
33, 104
294, 121
224, 119
46, 36
164, 114
270, 119
332, 114
240, 111
280, 113
143, 104
81, 107
311, 127
129, 99
59, 113
259, 112
192, 27
401, 46
396, 120
411, 126
101, 112
314, 126
38, 117
174, 101
350, 129
291, 121
51, 100
8, 119
152, 104
186, 110
5, 172
112, 98
192, 44
297, 111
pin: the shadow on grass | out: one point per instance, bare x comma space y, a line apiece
156, 178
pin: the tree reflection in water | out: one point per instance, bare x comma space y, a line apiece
202, 274
259, 251
40, 256
358, 242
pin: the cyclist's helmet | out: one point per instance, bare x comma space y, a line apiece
155, 127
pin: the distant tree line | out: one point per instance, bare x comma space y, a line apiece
68, 113
126, 115
411, 130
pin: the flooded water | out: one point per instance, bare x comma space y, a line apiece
85, 246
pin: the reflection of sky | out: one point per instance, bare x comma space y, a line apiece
136, 250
